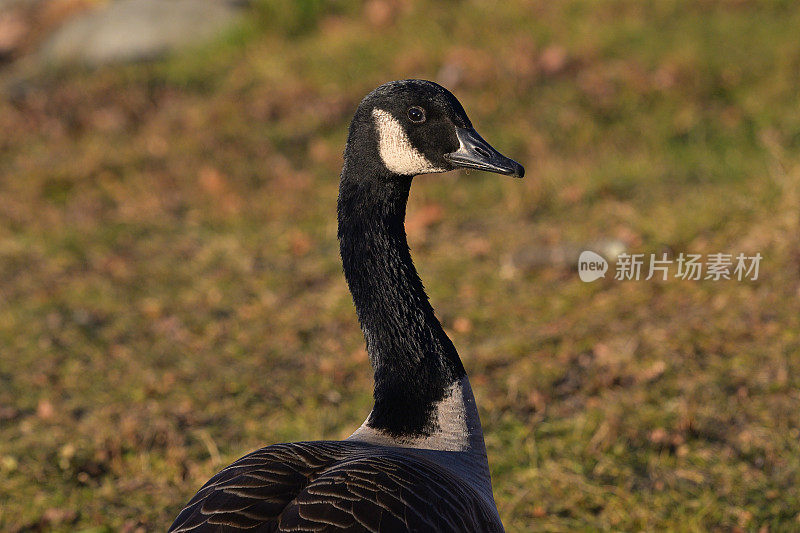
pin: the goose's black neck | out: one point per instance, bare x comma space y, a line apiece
414, 361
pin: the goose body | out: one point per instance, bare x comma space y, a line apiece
418, 462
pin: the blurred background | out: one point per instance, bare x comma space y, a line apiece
171, 294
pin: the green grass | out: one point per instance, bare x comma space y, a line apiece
171, 292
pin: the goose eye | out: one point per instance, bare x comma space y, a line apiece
416, 114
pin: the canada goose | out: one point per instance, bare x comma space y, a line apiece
418, 462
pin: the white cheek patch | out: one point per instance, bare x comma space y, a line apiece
396, 150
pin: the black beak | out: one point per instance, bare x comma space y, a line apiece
474, 152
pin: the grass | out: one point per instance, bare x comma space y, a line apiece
172, 295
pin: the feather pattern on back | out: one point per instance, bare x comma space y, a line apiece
329, 486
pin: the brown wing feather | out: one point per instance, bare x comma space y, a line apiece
334, 486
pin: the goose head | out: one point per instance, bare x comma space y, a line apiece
419, 127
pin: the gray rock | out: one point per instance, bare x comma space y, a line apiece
565, 255
131, 30
8, 4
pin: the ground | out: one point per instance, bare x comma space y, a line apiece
172, 297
